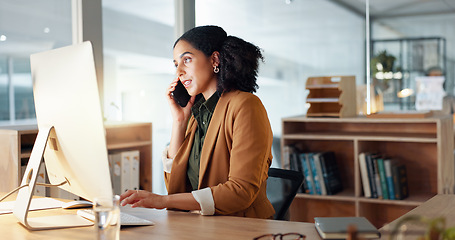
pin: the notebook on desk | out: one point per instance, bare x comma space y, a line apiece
336, 227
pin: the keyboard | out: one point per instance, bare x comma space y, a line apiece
125, 218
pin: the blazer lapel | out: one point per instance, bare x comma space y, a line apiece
180, 164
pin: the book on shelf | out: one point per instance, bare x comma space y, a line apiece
337, 227
330, 173
364, 175
317, 162
296, 165
293, 161
400, 181
287, 156
382, 177
319, 169
307, 173
314, 172
371, 179
389, 179
383, 180
377, 177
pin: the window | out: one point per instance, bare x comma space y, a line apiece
27, 27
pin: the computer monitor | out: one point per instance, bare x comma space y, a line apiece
71, 132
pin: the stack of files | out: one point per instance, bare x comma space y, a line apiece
383, 177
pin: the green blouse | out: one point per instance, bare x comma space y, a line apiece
202, 111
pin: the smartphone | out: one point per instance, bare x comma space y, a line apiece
180, 95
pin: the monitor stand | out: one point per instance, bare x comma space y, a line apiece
24, 197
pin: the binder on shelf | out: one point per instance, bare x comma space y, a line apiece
125, 178
135, 163
116, 172
125, 170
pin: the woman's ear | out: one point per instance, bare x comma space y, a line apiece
215, 58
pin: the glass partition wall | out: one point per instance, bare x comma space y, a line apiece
138, 37
411, 43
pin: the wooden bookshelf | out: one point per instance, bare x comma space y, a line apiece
16, 143
424, 145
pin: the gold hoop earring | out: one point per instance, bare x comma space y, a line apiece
216, 69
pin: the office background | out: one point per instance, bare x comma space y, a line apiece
300, 38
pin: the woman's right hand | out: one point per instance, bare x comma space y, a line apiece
180, 118
179, 114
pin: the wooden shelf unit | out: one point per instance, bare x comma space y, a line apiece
424, 145
333, 96
16, 144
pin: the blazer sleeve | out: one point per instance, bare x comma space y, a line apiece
249, 130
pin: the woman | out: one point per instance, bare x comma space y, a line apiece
220, 149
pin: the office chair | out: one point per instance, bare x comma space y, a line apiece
282, 186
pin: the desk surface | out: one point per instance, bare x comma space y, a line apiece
169, 225
442, 205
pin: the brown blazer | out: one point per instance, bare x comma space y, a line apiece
235, 157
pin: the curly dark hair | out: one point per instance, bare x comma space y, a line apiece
239, 60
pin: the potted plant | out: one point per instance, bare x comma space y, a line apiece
382, 68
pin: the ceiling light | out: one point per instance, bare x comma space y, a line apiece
2, 38
289, 1
47, 30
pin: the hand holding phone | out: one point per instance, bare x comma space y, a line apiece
180, 95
